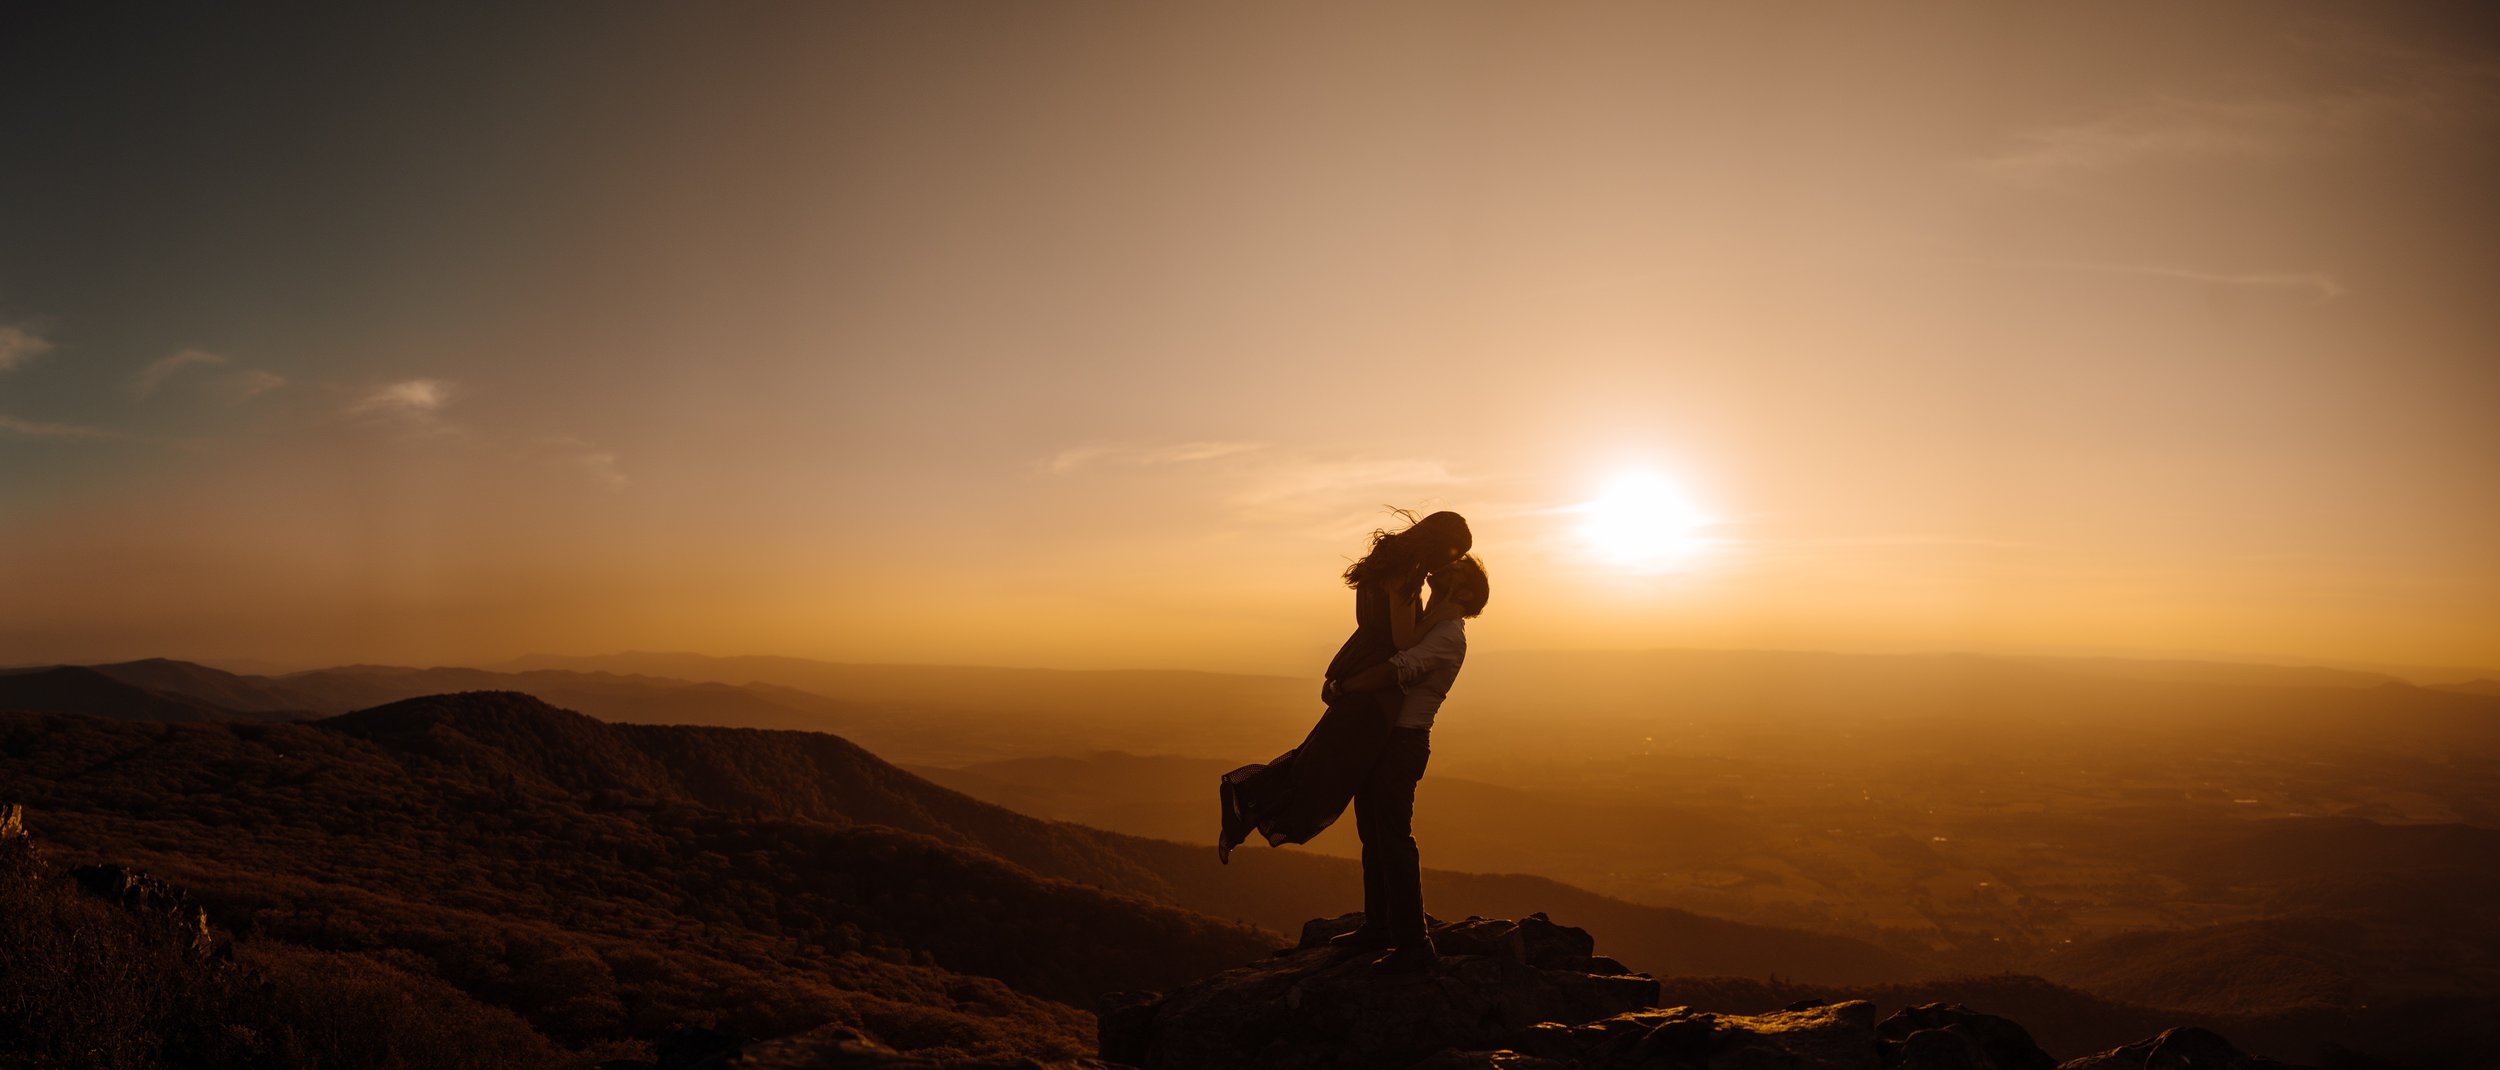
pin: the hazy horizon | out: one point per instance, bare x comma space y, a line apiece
2419, 675
886, 334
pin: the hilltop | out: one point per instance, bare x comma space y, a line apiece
584, 878
107, 963
612, 882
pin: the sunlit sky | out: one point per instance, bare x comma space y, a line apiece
1097, 335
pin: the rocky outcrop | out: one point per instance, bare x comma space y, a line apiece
1949, 1036
1533, 995
147, 898
1808, 1036
150, 897
18, 857
827, 1047
2187, 1048
1838, 1036
836, 1047
1312, 1007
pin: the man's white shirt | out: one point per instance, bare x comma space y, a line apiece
1427, 669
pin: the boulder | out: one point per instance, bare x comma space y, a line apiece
148, 896
1949, 1036
837, 1047
1490, 1060
1834, 1036
827, 1047
1533, 940
2186, 1048
1314, 1007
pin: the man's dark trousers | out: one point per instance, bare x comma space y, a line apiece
1384, 815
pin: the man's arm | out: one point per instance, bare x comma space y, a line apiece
1378, 676
1437, 648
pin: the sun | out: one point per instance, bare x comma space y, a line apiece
1643, 522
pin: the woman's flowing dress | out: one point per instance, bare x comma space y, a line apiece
1302, 792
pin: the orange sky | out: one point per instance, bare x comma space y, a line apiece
1096, 336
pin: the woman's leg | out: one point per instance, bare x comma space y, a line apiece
1300, 794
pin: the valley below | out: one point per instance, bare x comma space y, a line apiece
2301, 857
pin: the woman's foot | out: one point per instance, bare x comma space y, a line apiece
1228, 822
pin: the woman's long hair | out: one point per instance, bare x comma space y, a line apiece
1397, 554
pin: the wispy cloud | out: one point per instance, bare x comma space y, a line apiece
2394, 90
566, 451
2318, 283
241, 385
19, 345
1077, 458
1303, 488
157, 371
416, 398
1260, 485
35, 429
251, 383
2166, 128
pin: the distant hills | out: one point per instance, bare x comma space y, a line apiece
920, 713
101, 692
811, 673
2241, 843
822, 777
960, 715
605, 880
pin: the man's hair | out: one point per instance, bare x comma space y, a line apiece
1465, 582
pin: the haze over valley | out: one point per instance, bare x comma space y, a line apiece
2285, 838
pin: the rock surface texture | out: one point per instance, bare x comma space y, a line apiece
837, 1047
828, 1047
1312, 1006
1813, 1036
1533, 995
2176, 1049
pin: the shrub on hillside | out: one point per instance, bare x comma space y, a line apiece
84, 983
89, 983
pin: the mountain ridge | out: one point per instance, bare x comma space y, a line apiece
693, 836
80, 689
589, 910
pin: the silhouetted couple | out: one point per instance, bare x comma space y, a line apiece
1382, 689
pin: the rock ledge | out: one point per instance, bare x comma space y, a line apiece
1533, 995
1313, 1007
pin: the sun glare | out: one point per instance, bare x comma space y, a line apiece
1642, 521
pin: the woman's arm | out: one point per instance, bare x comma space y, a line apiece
1439, 648
1423, 625
1404, 628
